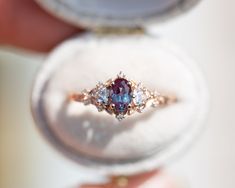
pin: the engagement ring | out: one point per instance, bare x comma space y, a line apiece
121, 97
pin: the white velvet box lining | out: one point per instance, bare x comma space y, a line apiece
97, 140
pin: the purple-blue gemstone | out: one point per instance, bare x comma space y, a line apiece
121, 95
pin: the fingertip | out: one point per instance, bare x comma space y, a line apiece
26, 25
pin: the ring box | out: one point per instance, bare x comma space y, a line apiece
96, 140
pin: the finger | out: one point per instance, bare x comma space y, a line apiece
148, 180
24, 24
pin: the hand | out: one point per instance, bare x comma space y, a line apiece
24, 24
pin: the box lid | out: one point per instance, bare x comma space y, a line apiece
116, 13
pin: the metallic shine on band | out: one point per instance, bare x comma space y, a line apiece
122, 97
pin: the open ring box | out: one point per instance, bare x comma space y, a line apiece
96, 140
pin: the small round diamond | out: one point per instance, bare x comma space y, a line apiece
120, 117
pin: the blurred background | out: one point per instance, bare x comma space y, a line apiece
207, 33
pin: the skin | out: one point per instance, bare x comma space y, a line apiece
23, 24
156, 179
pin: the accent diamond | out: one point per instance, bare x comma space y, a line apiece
102, 95
140, 96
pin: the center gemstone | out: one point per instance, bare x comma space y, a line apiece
121, 95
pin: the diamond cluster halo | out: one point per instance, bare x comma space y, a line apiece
121, 97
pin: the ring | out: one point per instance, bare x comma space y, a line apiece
122, 97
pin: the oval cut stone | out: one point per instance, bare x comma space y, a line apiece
121, 95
